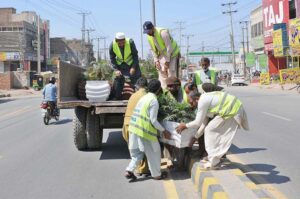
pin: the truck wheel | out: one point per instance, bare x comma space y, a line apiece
94, 133
80, 138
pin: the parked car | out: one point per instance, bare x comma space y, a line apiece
238, 80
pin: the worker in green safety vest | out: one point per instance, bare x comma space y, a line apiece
124, 60
176, 90
206, 74
165, 51
144, 130
227, 115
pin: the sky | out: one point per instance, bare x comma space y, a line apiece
201, 18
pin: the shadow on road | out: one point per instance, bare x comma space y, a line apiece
63, 121
115, 147
262, 173
2, 101
236, 150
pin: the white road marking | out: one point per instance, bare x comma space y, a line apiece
277, 116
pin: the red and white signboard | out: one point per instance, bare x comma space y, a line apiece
274, 12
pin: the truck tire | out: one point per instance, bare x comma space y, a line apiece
79, 125
94, 132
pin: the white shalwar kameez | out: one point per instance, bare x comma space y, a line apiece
139, 146
219, 132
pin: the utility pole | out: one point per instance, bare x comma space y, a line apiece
180, 28
247, 33
83, 55
244, 52
98, 48
153, 13
187, 36
38, 45
141, 26
88, 33
229, 12
104, 49
203, 48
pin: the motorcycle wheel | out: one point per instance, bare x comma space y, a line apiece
46, 119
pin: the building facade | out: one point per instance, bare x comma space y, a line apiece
18, 40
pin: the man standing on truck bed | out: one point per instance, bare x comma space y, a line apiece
124, 59
165, 51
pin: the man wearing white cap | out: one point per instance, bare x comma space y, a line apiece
124, 59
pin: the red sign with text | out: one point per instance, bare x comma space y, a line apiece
274, 12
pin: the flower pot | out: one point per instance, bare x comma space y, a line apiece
97, 91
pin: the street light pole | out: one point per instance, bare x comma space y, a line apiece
141, 26
153, 12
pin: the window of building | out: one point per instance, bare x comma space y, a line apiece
292, 9
20, 29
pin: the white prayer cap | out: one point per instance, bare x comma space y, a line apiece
120, 35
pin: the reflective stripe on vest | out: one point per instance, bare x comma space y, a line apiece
228, 105
140, 123
212, 76
162, 47
127, 53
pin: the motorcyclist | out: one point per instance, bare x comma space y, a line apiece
50, 95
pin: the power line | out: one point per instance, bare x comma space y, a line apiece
180, 28
229, 12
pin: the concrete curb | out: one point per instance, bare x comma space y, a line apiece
211, 186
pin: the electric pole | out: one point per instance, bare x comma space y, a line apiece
187, 36
153, 13
83, 56
104, 49
141, 26
180, 28
38, 45
98, 48
244, 51
247, 33
229, 12
88, 34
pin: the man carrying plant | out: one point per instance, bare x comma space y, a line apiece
165, 51
141, 86
124, 59
206, 74
143, 133
227, 114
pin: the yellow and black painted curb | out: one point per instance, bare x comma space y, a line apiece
250, 185
209, 186
206, 184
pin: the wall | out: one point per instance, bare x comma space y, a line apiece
6, 80
21, 79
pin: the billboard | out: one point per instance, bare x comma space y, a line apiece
294, 36
274, 12
277, 43
291, 75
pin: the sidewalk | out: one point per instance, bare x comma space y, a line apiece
19, 93
284, 87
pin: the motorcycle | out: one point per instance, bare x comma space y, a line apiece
49, 111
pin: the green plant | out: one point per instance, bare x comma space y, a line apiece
98, 71
171, 110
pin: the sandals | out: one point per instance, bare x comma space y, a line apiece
162, 176
130, 175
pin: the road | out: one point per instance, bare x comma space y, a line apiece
270, 150
39, 161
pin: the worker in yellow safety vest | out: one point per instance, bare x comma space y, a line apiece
165, 51
144, 130
178, 92
206, 74
227, 115
125, 62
